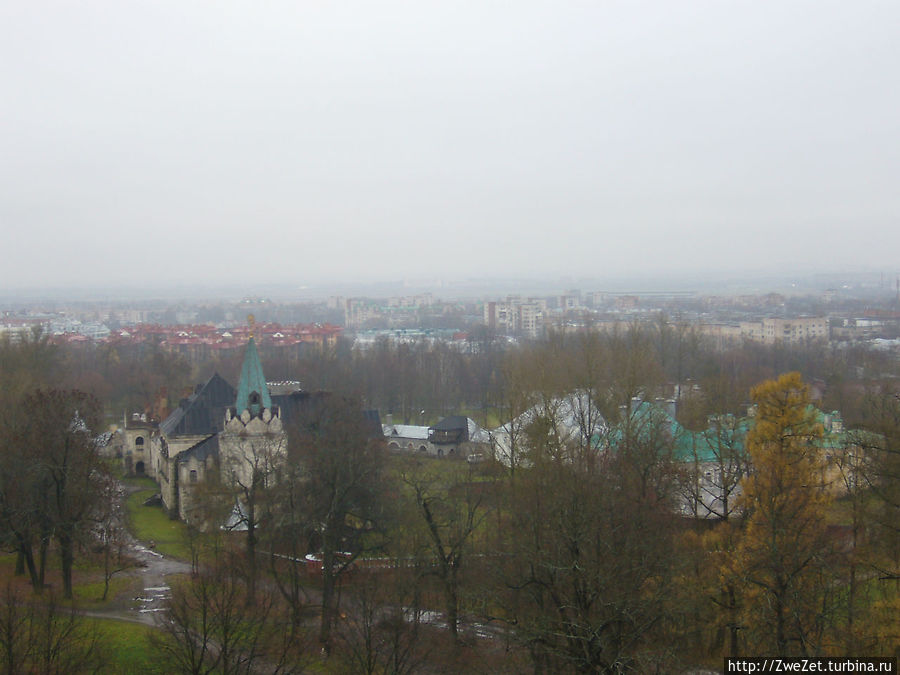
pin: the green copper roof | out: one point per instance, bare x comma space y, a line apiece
252, 393
650, 421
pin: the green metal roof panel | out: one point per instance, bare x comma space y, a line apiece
718, 440
253, 393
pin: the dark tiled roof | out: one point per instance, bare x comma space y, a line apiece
207, 447
202, 412
373, 423
452, 423
294, 405
299, 406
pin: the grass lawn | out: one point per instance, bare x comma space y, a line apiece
128, 647
150, 523
87, 581
142, 482
89, 594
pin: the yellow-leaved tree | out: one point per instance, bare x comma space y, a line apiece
781, 558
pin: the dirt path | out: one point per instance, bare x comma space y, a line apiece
152, 569
156, 567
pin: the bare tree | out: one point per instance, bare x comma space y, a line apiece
287, 538
451, 507
210, 625
711, 476
67, 463
854, 470
23, 498
589, 545
342, 461
589, 566
515, 397
25, 366
38, 635
880, 441
382, 632
586, 374
110, 532
252, 466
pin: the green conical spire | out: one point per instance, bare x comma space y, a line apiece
252, 393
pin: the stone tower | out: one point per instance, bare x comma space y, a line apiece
252, 446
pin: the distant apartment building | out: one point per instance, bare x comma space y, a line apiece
794, 331
91, 329
399, 311
516, 316
786, 331
570, 301
721, 334
414, 301
498, 316
530, 319
597, 299
627, 302
768, 331
133, 316
359, 311
15, 331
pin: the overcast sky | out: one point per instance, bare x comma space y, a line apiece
305, 141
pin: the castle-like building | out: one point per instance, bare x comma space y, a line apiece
217, 435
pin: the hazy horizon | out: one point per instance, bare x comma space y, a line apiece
151, 145
870, 285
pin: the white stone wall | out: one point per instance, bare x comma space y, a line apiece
251, 445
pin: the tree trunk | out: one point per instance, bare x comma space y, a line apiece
451, 597
67, 556
328, 583
27, 556
780, 635
251, 551
851, 601
733, 625
107, 569
42, 560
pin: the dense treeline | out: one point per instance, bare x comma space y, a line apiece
575, 554
442, 379
572, 556
50, 470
